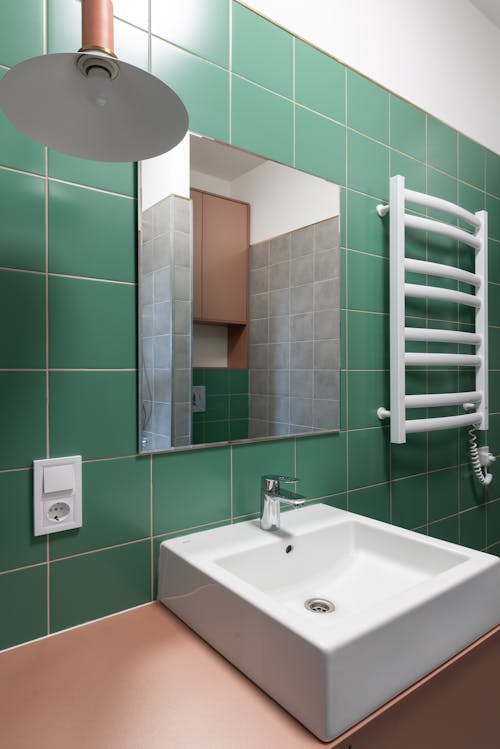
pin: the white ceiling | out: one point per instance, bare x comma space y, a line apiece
220, 160
490, 8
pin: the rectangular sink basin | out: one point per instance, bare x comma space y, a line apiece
334, 614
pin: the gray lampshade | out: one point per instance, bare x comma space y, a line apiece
129, 117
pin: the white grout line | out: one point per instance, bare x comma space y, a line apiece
66, 182
230, 17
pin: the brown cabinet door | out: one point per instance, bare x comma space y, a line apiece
224, 260
197, 198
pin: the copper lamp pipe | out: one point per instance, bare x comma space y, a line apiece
97, 26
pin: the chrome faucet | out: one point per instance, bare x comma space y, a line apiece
272, 497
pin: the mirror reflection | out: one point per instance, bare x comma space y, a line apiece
239, 296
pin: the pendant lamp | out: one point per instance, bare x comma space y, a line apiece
91, 104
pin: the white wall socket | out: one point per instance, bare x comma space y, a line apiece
57, 494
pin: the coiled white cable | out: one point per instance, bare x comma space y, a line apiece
484, 478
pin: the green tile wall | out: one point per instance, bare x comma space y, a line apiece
226, 414
68, 290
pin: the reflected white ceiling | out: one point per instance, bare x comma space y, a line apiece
216, 159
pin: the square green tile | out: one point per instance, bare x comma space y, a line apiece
407, 128
92, 585
494, 261
493, 434
24, 606
321, 465
18, 545
446, 530
115, 507
21, 31
492, 163
261, 122
442, 186
493, 208
319, 146
373, 502
238, 407
493, 522
319, 81
443, 493
190, 488
337, 500
216, 381
413, 172
208, 33
410, 457
238, 380
471, 162
91, 233
368, 457
250, 463
367, 166
494, 392
238, 429
63, 25
262, 52
93, 414
443, 444
22, 405
366, 231
368, 340
92, 325
493, 304
217, 431
367, 391
471, 199
494, 348
120, 178
472, 493
368, 282
217, 407
16, 149
22, 300
473, 528
367, 107
22, 242
409, 502
441, 146
203, 88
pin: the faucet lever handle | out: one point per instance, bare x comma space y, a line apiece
280, 478
271, 481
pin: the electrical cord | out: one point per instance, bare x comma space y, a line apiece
483, 477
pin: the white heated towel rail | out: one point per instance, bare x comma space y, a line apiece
477, 241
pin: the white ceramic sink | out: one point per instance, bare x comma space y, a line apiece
404, 603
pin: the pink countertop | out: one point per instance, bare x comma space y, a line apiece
143, 680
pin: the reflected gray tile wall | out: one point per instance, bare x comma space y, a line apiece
165, 302
182, 285
294, 332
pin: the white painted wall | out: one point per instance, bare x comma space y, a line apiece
442, 55
209, 346
208, 183
165, 175
284, 199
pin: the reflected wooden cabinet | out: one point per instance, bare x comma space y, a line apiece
220, 259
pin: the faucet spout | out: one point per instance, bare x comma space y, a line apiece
272, 497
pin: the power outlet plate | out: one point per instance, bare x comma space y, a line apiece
57, 494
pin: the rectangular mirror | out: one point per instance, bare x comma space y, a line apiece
239, 298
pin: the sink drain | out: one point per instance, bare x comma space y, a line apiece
319, 605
